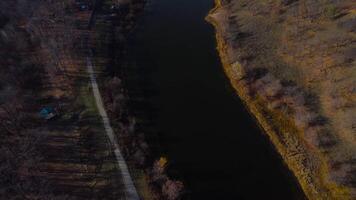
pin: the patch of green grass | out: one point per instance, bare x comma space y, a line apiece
330, 11
88, 100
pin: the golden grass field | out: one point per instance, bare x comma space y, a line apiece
292, 63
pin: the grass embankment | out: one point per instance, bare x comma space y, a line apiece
102, 164
307, 163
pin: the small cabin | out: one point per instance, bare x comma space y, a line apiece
48, 113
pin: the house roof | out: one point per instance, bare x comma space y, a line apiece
46, 111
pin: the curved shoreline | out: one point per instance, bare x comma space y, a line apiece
313, 181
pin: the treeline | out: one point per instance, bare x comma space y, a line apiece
21, 81
296, 103
132, 137
135, 147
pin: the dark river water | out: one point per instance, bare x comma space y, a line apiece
211, 141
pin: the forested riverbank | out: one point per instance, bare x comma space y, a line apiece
54, 144
114, 31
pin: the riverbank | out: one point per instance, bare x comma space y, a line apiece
113, 31
204, 130
304, 156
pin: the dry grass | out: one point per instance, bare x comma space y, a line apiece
305, 99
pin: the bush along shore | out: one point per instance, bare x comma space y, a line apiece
300, 115
114, 27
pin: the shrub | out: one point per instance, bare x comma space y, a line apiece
330, 11
172, 190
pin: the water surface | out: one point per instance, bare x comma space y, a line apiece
213, 144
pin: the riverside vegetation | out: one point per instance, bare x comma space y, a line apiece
112, 39
293, 64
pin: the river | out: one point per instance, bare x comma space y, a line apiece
212, 142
